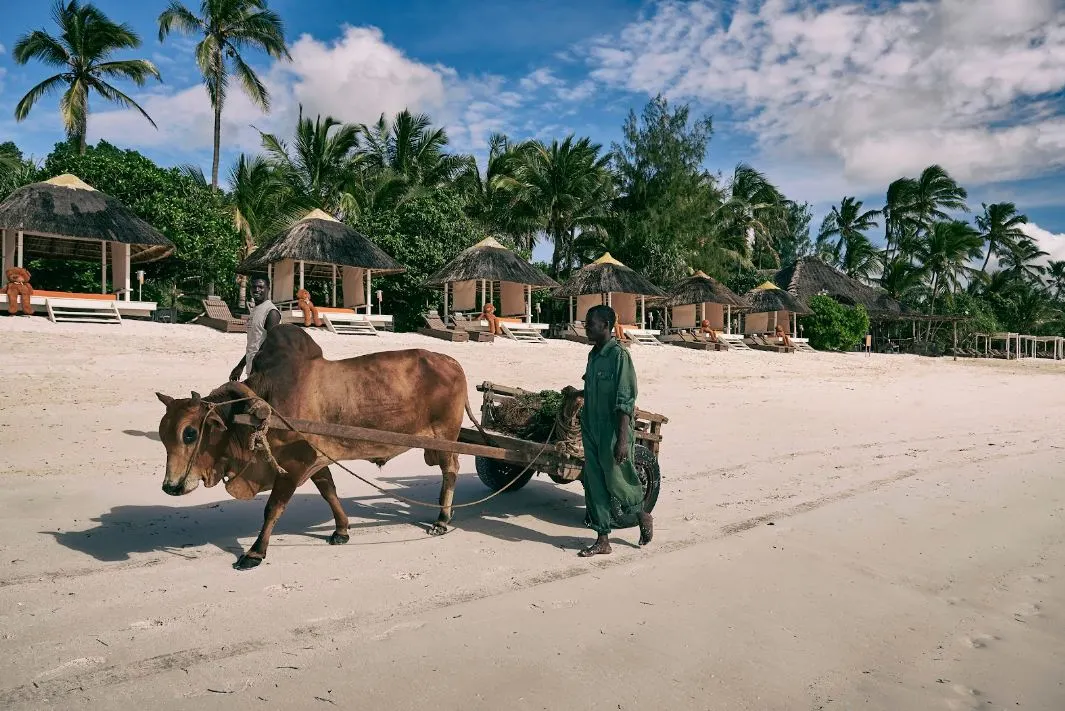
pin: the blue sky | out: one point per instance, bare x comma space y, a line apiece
828, 98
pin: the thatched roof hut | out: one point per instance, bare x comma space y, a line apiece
488, 260
770, 298
321, 242
810, 277
66, 218
702, 289
607, 275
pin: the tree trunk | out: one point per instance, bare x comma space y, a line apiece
988, 258
81, 142
217, 144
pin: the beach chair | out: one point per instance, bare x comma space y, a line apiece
473, 329
218, 316
575, 332
733, 341
802, 345
687, 339
435, 328
517, 330
642, 336
759, 342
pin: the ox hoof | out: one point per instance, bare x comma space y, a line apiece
437, 529
246, 562
339, 539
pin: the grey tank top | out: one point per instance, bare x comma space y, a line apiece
257, 332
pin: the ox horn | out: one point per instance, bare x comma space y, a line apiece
195, 396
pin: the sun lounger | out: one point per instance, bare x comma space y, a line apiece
474, 330
759, 342
642, 336
575, 332
687, 339
435, 328
218, 316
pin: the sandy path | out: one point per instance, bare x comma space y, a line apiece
917, 511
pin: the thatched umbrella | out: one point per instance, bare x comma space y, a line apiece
771, 299
607, 277
66, 218
315, 247
689, 299
488, 262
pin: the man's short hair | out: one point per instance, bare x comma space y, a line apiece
604, 313
263, 279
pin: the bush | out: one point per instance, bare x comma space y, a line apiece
834, 327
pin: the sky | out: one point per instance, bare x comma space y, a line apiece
827, 98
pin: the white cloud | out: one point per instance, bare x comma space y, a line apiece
866, 94
3, 49
539, 78
354, 79
1052, 244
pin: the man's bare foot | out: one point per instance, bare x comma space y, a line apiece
600, 547
646, 528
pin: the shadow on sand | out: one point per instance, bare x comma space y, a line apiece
153, 436
127, 530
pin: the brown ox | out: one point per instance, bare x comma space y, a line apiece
415, 392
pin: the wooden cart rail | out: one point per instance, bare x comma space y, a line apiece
471, 442
648, 424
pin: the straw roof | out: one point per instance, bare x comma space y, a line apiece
702, 289
607, 275
491, 261
66, 218
810, 276
770, 297
321, 241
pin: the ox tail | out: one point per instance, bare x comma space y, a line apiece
476, 422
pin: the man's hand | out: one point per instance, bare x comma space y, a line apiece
621, 450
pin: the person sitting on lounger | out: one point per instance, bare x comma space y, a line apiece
488, 313
310, 311
708, 333
783, 335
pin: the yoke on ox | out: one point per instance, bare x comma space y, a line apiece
415, 392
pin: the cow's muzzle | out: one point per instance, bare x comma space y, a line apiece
174, 489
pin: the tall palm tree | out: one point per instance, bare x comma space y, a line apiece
83, 51
227, 27
946, 253
1023, 260
861, 259
494, 199
319, 164
848, 224
411, 149
1000, 225
899, 194
1055, 277
756, 209
931, 195
568, 186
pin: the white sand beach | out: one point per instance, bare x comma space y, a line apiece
834, 532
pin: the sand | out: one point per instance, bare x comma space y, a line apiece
834, 532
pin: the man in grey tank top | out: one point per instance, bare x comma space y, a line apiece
263, 317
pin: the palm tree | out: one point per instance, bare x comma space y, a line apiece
861, 259
83, 49
1056, 277
901, 280
494, 199
932, 193
319, 165
228, 27
899, 194
1022, 260
1000, 227
755, 209
848, 224
411, 149
568, 187
946, 253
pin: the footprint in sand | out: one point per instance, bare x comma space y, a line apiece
403, 626
1037, 578
979, 641
1027, 609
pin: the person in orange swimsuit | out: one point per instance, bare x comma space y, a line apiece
782, 334
303, 300
488, 313
18, 287
708, 333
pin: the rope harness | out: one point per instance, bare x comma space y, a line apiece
259, 442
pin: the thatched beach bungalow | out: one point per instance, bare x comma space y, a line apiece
321, 247
65, 218
498, 276
608, 281
770, 306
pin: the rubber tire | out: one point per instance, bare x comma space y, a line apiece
647, 468
495, 474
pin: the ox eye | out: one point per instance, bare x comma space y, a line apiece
189, 435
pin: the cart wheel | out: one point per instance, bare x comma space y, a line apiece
496, 474
646, 464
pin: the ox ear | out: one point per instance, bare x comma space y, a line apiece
215, 419
195, 396
165, 399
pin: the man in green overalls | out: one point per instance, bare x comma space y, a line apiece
613, 494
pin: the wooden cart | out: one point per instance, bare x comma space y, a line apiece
499, 458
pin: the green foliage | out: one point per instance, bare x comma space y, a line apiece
834, 327
423, 234
743, 280
192, 216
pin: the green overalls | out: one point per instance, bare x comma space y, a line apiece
612, 492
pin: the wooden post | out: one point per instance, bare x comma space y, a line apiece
334, 304
369, 300
570, 299
445, 303
103, 267
301, 273
728, 323
955, 339
643, 311
19, 250
528, 303
484, 294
